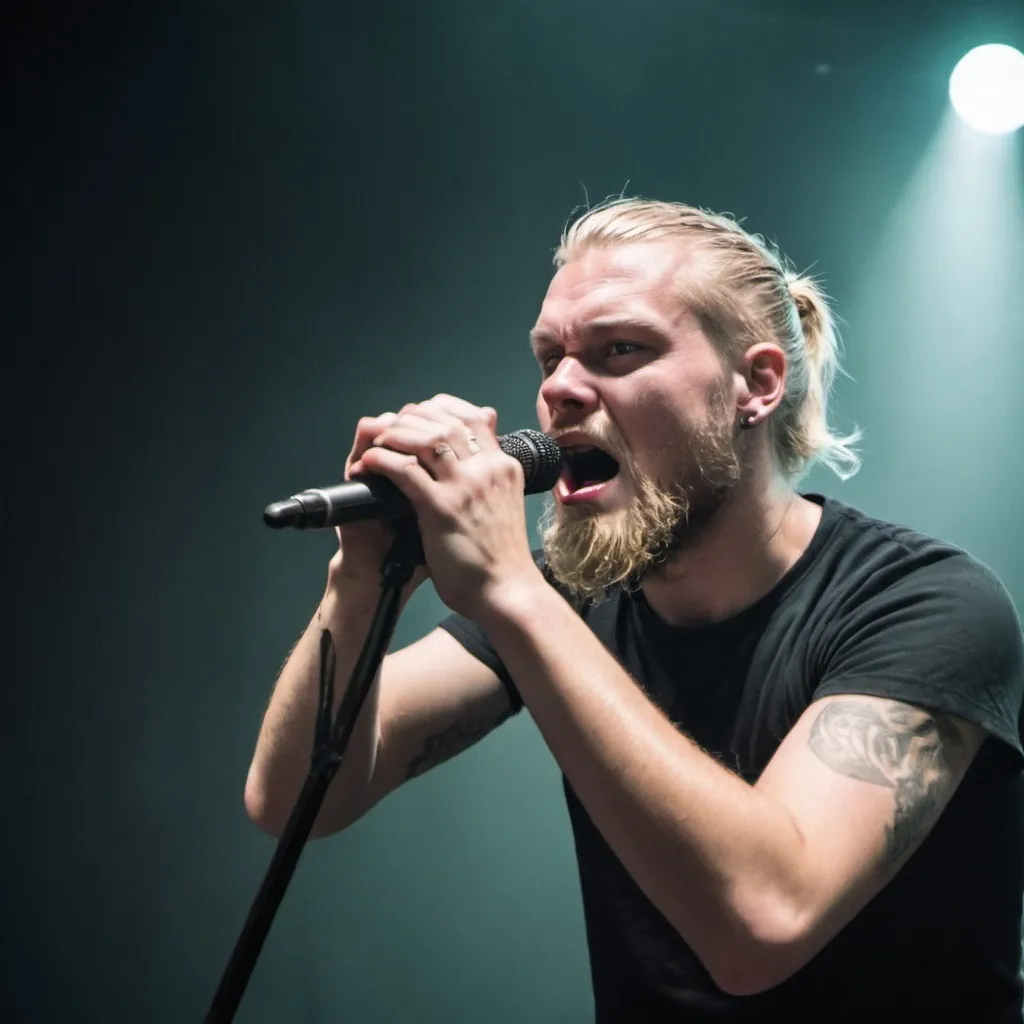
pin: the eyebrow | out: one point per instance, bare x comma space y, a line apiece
541, 336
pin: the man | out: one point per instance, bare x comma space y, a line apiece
790, 733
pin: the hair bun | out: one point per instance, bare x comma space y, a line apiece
801, 295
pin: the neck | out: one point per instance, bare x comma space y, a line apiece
753, 540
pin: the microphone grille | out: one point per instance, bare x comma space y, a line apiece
539, 455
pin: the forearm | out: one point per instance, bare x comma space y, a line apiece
718, 858
282, 757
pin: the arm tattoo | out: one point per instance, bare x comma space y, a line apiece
912, 752
443, 746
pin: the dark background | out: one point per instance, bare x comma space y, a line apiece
235, 228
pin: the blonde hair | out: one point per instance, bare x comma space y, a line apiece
743, 292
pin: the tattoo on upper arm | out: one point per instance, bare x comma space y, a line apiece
459, 736
914, 753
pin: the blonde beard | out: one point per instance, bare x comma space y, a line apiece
589, 554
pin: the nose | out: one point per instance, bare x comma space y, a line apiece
569, 389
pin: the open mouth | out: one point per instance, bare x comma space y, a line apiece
585, 467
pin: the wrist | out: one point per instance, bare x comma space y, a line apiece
355, 588
341, 577
515, 599
349, 590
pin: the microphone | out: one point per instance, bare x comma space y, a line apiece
376, 497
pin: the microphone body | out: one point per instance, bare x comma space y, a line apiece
376, 497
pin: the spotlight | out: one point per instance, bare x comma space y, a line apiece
987, 89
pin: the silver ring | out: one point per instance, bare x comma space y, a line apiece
473, 446
444, 449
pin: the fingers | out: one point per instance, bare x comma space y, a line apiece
444, 424
459, 407
367, 429
404, 470
416, 435
438, 453
480, 421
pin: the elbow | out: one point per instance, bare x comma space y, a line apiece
267, 806
260, 809
750, 974
270, 809
753, 969
762, 951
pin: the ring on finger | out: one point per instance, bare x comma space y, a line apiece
473, 446
442, 450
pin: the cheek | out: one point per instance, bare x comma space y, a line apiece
662, 427
659, 413
691, 407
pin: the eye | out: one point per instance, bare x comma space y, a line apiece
548, 363
623, 348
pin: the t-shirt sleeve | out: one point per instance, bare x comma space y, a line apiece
476, 641
944, 636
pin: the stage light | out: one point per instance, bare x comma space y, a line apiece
987, 89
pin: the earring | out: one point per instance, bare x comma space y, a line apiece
748, 420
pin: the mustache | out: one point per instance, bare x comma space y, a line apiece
601, 435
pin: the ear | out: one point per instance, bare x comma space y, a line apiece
763, 372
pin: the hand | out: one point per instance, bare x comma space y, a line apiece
363, 546
468, 499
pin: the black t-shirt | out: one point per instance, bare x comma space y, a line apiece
869, 608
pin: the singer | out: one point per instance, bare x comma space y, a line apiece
789, 732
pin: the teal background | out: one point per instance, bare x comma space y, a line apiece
238, 227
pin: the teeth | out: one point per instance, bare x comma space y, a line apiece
578, 449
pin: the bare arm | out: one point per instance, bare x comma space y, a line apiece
282, 756
756, 878
430, 701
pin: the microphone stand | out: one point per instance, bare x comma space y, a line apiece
330, 744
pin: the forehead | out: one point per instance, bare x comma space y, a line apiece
639, 281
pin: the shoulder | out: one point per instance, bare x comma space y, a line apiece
870, 557
878, 542
919, 619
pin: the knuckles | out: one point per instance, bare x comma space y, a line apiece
374, 431
469, 414
369, 426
